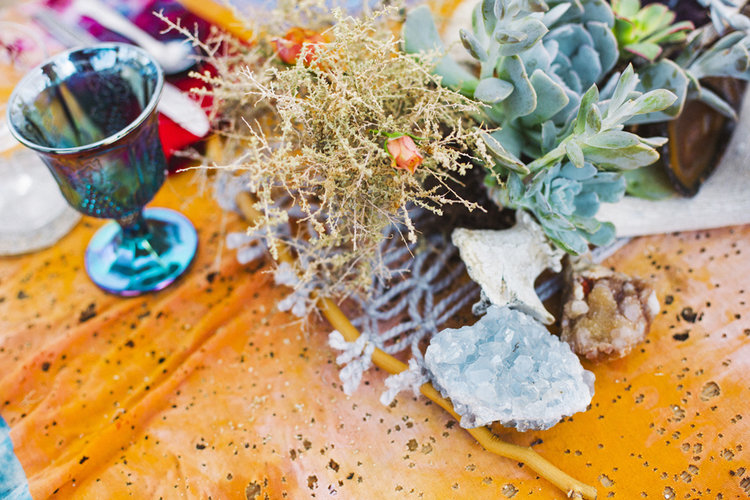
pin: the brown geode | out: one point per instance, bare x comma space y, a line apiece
605, 313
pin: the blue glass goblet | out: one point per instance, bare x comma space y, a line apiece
90, 114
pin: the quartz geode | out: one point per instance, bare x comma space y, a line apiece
605, 313
508, 368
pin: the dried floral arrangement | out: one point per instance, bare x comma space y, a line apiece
344, 134
350, 132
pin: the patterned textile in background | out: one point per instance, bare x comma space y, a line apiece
13, 484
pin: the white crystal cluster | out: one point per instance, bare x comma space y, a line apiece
508, 368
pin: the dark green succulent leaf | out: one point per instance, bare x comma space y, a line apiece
626, 31
492, 90
650, 183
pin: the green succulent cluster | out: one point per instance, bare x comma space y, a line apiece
539, 71
643, 31
560, 81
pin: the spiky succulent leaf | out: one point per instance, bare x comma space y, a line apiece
599, 135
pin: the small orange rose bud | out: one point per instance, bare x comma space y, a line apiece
289, 47
404, 153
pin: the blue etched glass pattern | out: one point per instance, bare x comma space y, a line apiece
75, 121
90, 114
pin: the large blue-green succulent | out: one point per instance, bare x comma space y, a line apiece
540, 69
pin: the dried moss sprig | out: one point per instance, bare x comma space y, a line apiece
321, 142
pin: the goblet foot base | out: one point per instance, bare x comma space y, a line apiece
133, 266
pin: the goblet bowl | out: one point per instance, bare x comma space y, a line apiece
90, 114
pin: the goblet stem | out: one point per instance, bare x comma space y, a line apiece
134, 225
137, 235
143, 252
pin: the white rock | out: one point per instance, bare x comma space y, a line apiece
505, 263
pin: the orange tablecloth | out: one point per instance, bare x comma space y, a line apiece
205, 390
